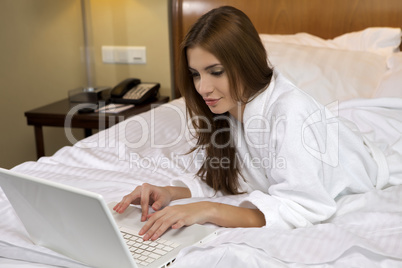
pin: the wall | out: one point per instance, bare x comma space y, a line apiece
41, 59
132, 23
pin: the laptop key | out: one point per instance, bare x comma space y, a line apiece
175, 245
167, 248
159, 251
168, 243
155, 256
150, 260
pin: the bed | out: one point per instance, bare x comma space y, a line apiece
346, 54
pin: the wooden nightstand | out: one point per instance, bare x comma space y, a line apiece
56, 114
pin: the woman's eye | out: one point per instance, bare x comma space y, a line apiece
217, 73
194, 75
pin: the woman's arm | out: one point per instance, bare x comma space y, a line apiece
178, 192
200, 212
232, 216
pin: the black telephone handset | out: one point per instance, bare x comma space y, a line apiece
123, 87
132, 91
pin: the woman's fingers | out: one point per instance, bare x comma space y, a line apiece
145, 195
158, 223
127, 200
144, 202
157, 229
173, 217
178, 224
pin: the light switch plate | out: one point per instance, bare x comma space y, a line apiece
124, 54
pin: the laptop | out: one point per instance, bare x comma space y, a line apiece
80, 225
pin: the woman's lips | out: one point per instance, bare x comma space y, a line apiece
211, 102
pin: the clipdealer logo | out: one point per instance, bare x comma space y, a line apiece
319, 134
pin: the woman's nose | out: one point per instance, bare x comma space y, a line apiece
205, 87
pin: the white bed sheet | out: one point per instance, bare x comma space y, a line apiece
365, 232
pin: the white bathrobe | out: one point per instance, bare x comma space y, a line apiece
296, 158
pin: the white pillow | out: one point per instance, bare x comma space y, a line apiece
381, 40
328, 74
391, 83
384, 41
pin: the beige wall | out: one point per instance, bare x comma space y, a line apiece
41, 59
132, 23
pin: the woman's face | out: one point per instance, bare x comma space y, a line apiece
211, 81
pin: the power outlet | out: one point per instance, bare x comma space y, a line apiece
124, 54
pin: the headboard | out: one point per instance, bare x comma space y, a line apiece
323, 18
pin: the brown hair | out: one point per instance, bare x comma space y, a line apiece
230, 36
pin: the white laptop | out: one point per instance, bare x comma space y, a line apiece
79, 224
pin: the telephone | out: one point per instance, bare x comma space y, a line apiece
132, 91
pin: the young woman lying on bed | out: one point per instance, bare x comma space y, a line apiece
259, 134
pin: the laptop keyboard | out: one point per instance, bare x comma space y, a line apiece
146, 252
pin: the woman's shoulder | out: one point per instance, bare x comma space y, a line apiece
283, 97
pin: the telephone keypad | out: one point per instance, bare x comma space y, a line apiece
138, 91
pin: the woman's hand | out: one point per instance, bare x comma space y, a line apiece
150, 195
176, 217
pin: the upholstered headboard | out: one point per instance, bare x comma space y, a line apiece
323, 18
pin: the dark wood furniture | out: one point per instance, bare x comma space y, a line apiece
63, 113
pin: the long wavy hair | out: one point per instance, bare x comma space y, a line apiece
230, 36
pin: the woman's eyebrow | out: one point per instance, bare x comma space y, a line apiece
211, 66
206, 68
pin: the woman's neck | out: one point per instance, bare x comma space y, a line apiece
237, 112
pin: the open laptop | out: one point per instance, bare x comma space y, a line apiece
79, 224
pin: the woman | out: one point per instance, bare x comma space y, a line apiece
259, 134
